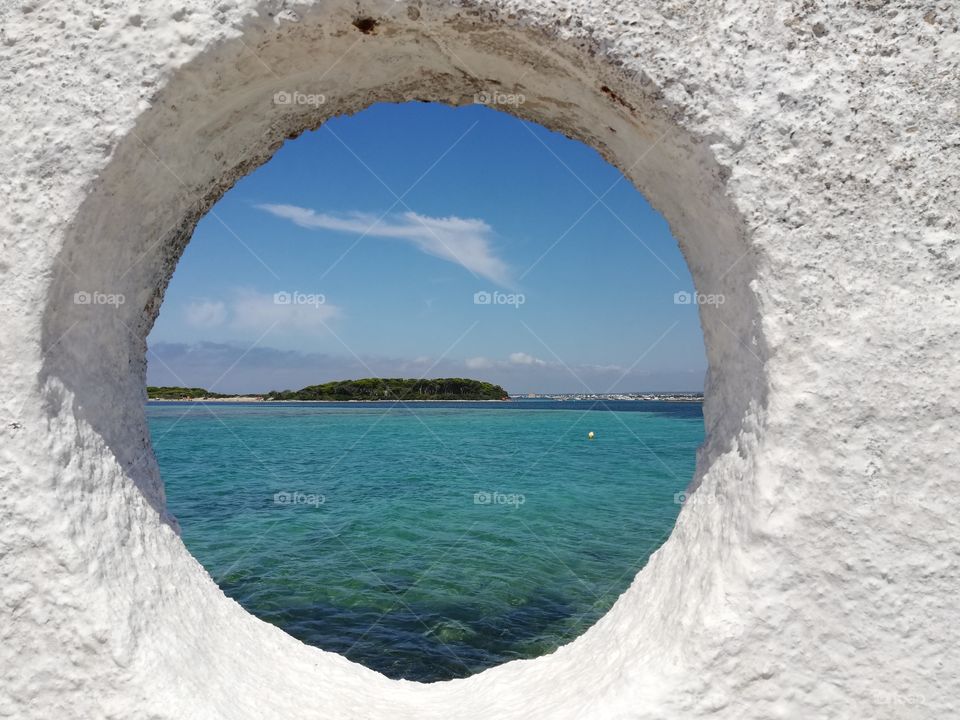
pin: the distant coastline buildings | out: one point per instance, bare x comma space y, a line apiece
648, 396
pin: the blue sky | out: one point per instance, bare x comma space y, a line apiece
360, 248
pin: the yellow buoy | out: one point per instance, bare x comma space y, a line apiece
590, 435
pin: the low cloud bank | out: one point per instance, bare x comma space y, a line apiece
235, 368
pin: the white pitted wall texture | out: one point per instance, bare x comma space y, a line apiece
807, 156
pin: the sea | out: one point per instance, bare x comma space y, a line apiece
427, 541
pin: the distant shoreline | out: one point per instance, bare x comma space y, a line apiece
259, 399
362, 389
255, 398
410, 390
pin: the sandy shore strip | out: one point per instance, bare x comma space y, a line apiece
259, 398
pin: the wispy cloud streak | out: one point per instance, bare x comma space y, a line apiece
462, 241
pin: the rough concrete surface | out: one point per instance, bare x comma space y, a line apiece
807, 157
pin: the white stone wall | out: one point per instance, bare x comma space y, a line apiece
807, 156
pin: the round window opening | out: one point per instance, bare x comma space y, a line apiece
405, 409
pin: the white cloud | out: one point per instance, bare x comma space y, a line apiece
263, 368
248, 311
517, 359
521, 358
206, 313
463, 241
478, 363
258, 312
605, 368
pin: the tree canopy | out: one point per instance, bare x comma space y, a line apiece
396, 389
180, 393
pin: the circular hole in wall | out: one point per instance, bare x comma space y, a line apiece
422, 535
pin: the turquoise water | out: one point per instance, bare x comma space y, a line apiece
432, 540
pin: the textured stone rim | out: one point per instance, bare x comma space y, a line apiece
217, 119
777, 191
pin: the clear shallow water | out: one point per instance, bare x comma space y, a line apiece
428, 541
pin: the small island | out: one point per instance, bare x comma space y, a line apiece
365, 389
396, 389
182, 393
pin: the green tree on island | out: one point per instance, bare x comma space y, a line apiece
363, 389
181, 393
396, 389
